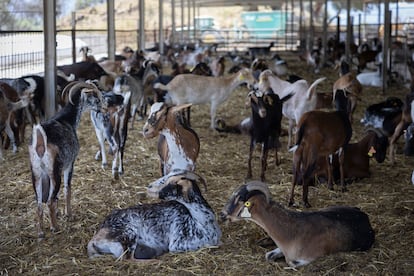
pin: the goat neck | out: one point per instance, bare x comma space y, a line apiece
272, 217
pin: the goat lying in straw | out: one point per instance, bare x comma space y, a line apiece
301, 237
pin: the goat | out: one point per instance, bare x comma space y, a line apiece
178, 144
53, 149
188, 88
15, 117
301, 237
85, 50
112, 126
384, 115
134, 84
320, 134
351, 87
255, 52
404, 122
183, 221
303, 99
265, 126
278, 65
313, 59
88, 71
202, 69
217, 66
357, 155
8, 107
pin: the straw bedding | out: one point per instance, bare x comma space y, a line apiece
387, 196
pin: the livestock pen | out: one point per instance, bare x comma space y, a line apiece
387, 197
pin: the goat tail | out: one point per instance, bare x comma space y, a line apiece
312, 88
39, 140
161, 86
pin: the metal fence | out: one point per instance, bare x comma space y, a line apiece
21, 52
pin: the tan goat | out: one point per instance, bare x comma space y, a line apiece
194, 89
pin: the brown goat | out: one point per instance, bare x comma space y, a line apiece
357, 155
301, 237
178, 144
404, 122
353, 88
320, 134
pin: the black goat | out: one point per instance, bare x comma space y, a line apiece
54, 147
384, 115
266, 126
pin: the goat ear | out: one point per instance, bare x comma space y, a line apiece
178, 108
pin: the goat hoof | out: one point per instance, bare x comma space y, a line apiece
291, 203
41, 236
104, 166
306, 204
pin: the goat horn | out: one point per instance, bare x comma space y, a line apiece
67, 88
80, 85
196, 177
259, 186
377, 131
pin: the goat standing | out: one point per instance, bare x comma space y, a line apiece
320, 134
178, 144
53, 149
266, 126
112, 126
194, 89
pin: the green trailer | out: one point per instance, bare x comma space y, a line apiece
265, 24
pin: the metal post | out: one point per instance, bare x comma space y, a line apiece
387, 33
110, 6
325, 33
348, 31
141, 25
161, 27
172, 37
49, 26
73, 32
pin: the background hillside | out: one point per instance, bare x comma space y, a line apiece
127, 15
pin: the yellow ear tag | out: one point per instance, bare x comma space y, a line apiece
371, 151
241, 77
245, 212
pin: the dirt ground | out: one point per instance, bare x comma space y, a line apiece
387, 197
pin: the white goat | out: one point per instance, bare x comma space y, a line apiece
182, 221
195, 89
304, 97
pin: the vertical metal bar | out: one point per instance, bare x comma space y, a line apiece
111, 29
172, 37
387, 32
141, 45
49, 26
161, 26
73, 23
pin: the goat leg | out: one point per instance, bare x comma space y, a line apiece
329, 168
341, 159
53, 214
305, 191
249, 161
40, 232
67, 176
264, 162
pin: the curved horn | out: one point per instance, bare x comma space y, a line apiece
81, 85
196, 177
259, 186
377, 131
67, 88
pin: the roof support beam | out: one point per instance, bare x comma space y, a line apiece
49, 35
